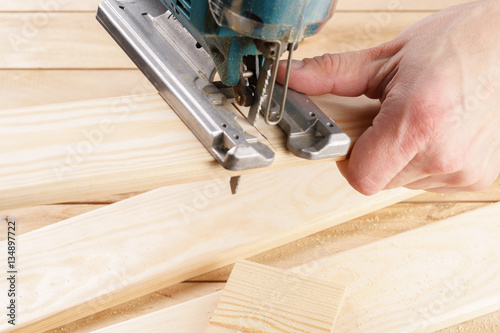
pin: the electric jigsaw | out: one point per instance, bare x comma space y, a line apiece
183, 45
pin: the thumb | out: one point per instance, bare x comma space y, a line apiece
345, 74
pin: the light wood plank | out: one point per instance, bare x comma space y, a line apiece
139, 245
23, 88
372, 227
76, 40
91, 5
367, 229
28, 87
49, 5
142, 306
267, 299
88, 149
486, 323
188, 317
397, 5
422, 280
32, 218
57, 40
356, 31
419, 281
491, 194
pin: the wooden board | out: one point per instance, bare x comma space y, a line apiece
91, 5
422, 280
162, 237
438, 275
22, 88
491, 194
48, 86
49, 6
59, 40
260, 298
396, 5
188, 317
67, 42
97, 173
358, 232
32, 218
88, 149
77, 41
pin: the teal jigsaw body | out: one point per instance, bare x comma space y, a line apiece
227, 29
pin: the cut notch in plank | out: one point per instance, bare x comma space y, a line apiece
270, 300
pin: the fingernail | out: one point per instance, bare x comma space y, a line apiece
297, 64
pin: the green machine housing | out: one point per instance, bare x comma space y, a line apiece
227, 29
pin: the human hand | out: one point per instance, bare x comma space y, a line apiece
439, 84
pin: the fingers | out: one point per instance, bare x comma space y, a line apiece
384, 149
345, 74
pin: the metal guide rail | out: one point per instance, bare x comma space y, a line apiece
183, 74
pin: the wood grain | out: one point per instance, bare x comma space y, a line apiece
397, 5
437, 276
267, 299
57, 40
188, 317
23, 88
142, 306
49, 6
165, 236
79, 35
32, 218
491, 194
31, 86
77, 41
86, 150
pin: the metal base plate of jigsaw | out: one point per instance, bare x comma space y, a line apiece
183, 74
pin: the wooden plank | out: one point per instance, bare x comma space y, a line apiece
86, 150
397, 5
142, 306
67, 38
422, 280
64, 40
57, 40
491, 194
139, 245
260, 298
91, 5
419, 281
22, 88
373, 227
32, 218
188, 317
77, 41
364, 230
49, 5
486, 323
361, 231
356, 31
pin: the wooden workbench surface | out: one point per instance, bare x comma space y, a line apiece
63, 55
